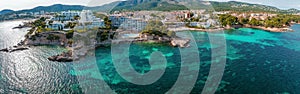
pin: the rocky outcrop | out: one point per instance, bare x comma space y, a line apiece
153, 38
178, 42
64, 57
174, 41
25, 25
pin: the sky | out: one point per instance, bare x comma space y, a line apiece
28, 4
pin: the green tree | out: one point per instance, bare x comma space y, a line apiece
71, 25
69, 34
254, 22
226, 19
107, 22
244, 20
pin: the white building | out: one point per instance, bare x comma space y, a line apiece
133, 25
88, 20
126, 23
87, 16
66, 16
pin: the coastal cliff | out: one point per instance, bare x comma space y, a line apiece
47, 38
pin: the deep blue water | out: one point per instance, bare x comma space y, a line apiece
257, 61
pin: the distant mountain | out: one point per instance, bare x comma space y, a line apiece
245, 7
104, 8
53, 8
5, 11
293, 10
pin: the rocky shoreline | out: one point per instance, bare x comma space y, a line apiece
269, 28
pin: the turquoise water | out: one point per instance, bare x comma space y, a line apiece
257, 62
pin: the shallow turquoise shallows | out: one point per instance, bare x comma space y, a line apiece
257, 62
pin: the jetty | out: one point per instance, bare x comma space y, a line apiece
14, 48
